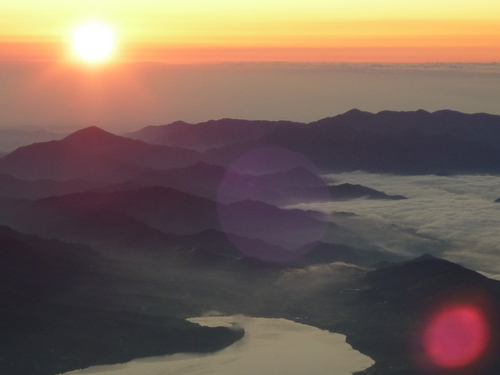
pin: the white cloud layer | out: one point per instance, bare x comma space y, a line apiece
454, 217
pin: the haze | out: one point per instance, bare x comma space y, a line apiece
128, 97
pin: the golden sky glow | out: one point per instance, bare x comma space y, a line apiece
194, 31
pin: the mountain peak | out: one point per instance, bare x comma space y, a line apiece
353, 111
357, 112
91, 133
425, 270
424, 257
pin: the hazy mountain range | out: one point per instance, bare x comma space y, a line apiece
117, 239
392, 142
11, 139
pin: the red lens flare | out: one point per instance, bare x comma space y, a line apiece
456, 336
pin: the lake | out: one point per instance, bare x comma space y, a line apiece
270, 347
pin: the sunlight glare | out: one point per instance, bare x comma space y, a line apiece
93, 41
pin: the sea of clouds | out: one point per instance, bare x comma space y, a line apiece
454, 217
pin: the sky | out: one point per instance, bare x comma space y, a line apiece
261, 30
198, 60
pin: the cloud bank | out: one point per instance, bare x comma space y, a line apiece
454, 217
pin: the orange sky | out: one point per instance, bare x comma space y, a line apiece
198, 31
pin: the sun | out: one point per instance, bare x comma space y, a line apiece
93, 42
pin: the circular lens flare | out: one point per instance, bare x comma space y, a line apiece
456, 336
248, 196
93, 41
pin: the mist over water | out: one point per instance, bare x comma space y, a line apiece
270, 347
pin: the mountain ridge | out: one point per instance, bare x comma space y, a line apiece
395, 304
92, 154
208, 134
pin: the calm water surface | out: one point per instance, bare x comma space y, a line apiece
270, 347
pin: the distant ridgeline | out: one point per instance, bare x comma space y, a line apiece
392, 142
419, 142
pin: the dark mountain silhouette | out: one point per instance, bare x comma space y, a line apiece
282, 188
46, 339
198, 179
394, 304
209, 246
478, 127
197, 247
208, 134
215, 246
113, 232
423, 277
343, 148
17, 188
286, 228
96, 141
350, 191
40, 336
37, 266
227, 154
205, 180
90, 217
297, 176
92, 154
392, 142
36, 163
321, 253
336, 192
